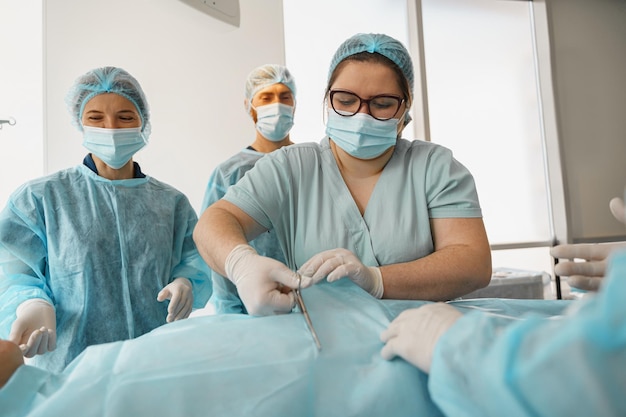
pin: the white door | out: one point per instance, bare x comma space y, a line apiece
21, 94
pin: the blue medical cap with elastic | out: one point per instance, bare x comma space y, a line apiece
107, 80
375, 42
267, 75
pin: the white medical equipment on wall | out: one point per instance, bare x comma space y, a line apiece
226, 11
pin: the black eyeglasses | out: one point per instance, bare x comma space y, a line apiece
382, 107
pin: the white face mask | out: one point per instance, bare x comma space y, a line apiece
114, 147
361, 135
274, 121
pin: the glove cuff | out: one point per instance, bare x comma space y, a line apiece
238, 253
30, 302
183, 281
378, 288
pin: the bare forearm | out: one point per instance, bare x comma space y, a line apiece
444, 275
218, 231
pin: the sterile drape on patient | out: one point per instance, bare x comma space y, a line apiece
237, 365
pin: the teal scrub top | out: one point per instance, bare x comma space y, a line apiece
298, 192
570, 365
225, 297
99, 251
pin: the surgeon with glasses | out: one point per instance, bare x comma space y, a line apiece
401, 219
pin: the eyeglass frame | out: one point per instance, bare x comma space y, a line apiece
400, 99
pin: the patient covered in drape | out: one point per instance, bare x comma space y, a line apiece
238, 365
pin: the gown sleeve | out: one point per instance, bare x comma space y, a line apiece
215, 189
574, 364
23, 257
191, 265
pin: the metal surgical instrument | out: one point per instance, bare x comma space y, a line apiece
304, 312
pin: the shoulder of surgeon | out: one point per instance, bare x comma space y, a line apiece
38, 185
69, 180
297, 150
238, 164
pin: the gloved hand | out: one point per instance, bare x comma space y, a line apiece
34, 329
616, 205
264, 284
180, 294
588, 275
338, 263
414, 334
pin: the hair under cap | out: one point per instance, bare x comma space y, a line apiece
375, 43
267, 75
107, 80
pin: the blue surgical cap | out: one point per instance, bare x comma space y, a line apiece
267, 75
107, 80
375, 42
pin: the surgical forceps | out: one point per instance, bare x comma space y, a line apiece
305, 313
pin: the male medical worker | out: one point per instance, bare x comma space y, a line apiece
270, 99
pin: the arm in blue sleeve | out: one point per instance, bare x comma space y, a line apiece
191, 265
23, 263
561, 366
215, 189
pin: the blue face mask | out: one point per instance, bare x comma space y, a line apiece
361, 135
274, 121
114, 146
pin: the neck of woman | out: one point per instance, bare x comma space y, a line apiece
356, 168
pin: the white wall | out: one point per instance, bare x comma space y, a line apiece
191, 67
308, 57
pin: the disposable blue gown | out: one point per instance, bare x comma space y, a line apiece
573, 365
239, 365
225, 297
99, 251
298, 191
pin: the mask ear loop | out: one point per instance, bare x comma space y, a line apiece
325, 110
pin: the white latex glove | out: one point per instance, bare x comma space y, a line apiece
588, 272
34, 329
616, 205
335, 264
414, 334
264, 284
180, 294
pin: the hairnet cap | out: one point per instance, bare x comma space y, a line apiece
267, 75
379, 43
107, 80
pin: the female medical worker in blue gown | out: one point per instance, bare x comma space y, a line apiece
400, 218
89, 254
270, 99
569, 365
